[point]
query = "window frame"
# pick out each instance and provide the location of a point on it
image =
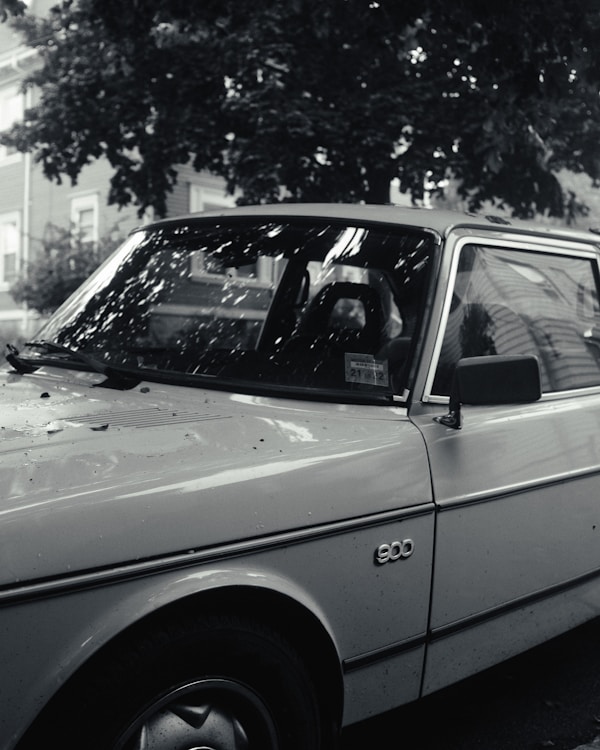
(12, 91)
(526, 243)
(11, 217)
(199, 195)
(80, 204)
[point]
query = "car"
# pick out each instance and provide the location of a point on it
(273, 470)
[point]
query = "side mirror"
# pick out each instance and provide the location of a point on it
(492, 380)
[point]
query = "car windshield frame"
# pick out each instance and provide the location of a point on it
(266, 269)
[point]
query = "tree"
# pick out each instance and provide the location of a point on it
(310, 100)
(64, 263)
(12, 7)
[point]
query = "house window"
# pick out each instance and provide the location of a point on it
(11, 111)
(84, 218)
(208, 199)
(10, 242)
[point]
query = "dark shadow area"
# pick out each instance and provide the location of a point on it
(548, 697)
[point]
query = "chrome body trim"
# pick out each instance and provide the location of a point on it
(61, 585)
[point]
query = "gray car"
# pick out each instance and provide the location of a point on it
(276, 469)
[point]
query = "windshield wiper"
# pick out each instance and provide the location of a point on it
(19, 364)
(115, 377)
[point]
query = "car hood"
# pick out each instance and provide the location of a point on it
(92, 477)
(48, 403)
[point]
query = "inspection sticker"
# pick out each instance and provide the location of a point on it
(364, 368)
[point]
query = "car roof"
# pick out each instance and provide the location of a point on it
(440, 221)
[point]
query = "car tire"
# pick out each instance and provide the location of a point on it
(217, 682)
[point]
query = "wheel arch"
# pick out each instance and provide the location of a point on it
(291, 619)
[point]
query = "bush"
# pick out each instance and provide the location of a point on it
(59, 267)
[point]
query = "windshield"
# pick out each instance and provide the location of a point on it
(255, 306)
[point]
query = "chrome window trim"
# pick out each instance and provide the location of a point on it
(566, 248)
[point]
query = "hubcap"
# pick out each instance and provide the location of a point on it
(213, 714)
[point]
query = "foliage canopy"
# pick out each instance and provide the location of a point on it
(329, 99)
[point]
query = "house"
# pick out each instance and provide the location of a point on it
(29, 203)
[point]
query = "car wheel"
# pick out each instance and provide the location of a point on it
(216, 683)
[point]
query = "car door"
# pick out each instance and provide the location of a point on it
(517, 489)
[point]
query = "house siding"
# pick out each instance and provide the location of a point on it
(178, 202)
(51, 203)
(11, 185)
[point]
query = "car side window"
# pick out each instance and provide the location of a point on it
(524, 302)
